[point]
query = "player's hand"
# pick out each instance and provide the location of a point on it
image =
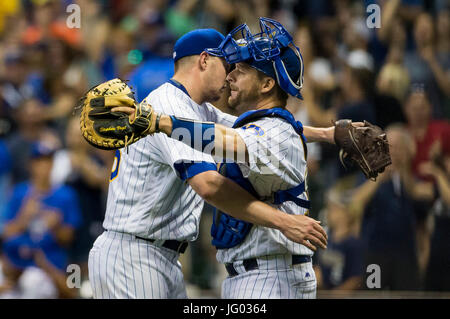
(306, 231)
(125, 109)
(30, 209)
(52, 218)
(143, 112)
(330, 132)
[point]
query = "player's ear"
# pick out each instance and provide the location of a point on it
(267, 84)
(203, 60)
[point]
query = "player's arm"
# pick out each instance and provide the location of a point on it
(58, 277)
(219, 140)
(208, 137)
(226, 142)
(229, 197)
(223, 141)
(319, 134)
(322, 134)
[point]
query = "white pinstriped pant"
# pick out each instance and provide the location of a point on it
(122, 266)
(275, 278)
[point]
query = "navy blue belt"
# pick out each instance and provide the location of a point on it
(252, 264)
(175, 245)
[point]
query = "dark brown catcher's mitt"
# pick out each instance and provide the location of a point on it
(366, 145)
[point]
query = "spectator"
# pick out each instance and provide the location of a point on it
(340, 266)
(443, 47)
(79, 167)
(437, 276)
(391, 88)
(5, 170)
(356, 84)
(32, 283)
(426, 67)
(425, 130)
(150, 75)
(19, 85)
(46, 66)
(31, 127)
(357, 87)
(388, 219)
(47, 25)
(429, 135)
(40, 222)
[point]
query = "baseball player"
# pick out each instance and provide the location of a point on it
(158, 184)
(269, 150)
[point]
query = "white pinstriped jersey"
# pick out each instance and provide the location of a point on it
(276, 162)
(147, 198)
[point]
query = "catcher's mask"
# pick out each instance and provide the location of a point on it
(271, 51)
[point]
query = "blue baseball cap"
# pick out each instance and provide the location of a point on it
(39, 149)
(195, 42)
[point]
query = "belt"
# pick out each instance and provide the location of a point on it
(175, 245)
(252, 264)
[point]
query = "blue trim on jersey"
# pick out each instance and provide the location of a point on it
(249, 116)
(178, 85)
(195, 134)
(291, 195)
(274, 112)
(188, 170)
(115, 170)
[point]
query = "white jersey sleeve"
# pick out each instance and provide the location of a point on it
(275, 154)
(219, 117)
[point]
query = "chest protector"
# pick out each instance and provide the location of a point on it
(227, 231)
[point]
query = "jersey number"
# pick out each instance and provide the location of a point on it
(115, 167)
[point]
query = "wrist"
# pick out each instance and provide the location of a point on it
(329, 135)
(165, 125)
(195, 134)
(283, 221)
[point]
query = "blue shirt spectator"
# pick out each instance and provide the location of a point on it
(5, 168)
(150, 75)
(388, 231)
(389, 220)
(340, 261)
(20, 249)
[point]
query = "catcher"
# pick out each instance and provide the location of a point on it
(268, 153)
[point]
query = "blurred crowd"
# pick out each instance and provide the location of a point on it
(53, 185)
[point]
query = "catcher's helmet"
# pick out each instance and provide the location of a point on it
(271, 51)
